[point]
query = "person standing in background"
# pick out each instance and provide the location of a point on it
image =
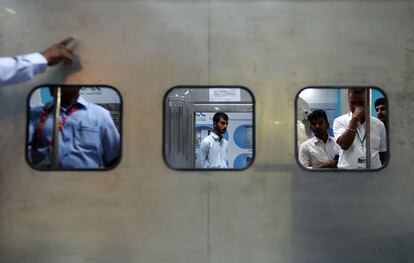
(214, 148)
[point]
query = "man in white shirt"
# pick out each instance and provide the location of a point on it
(24, 67)
(349, 130)
(214, 148)
(381, 109)
(321, 151)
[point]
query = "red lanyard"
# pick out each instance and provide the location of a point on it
(42, 121)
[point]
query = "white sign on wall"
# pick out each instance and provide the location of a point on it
(100, 95)
(223, 94)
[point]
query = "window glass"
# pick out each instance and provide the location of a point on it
(209, 128)
(74, 127)
(342, 128)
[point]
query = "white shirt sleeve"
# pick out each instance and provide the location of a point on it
(339, 127)
(304, 156)
(203, 153)
(21, 68)
(383, 138)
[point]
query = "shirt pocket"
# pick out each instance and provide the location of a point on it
(87, 137)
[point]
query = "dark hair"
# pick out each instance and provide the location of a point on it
(356, 90)
(316, 114)
(379, 101)
(219, 115)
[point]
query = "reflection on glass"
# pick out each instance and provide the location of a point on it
(74, 127)
(208, 128)
(341, 128)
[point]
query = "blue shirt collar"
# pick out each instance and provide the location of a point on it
(80, 101)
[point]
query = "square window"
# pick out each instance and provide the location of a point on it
(208, 128)
(342, 128)
(73, 127)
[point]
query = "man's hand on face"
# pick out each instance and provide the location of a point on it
(359, 113)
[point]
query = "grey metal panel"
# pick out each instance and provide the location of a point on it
(273, 212)
(175, 131)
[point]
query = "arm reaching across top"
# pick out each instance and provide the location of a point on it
(21, 68)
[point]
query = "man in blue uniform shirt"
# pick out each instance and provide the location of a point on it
(88, 137)
(214, 148)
